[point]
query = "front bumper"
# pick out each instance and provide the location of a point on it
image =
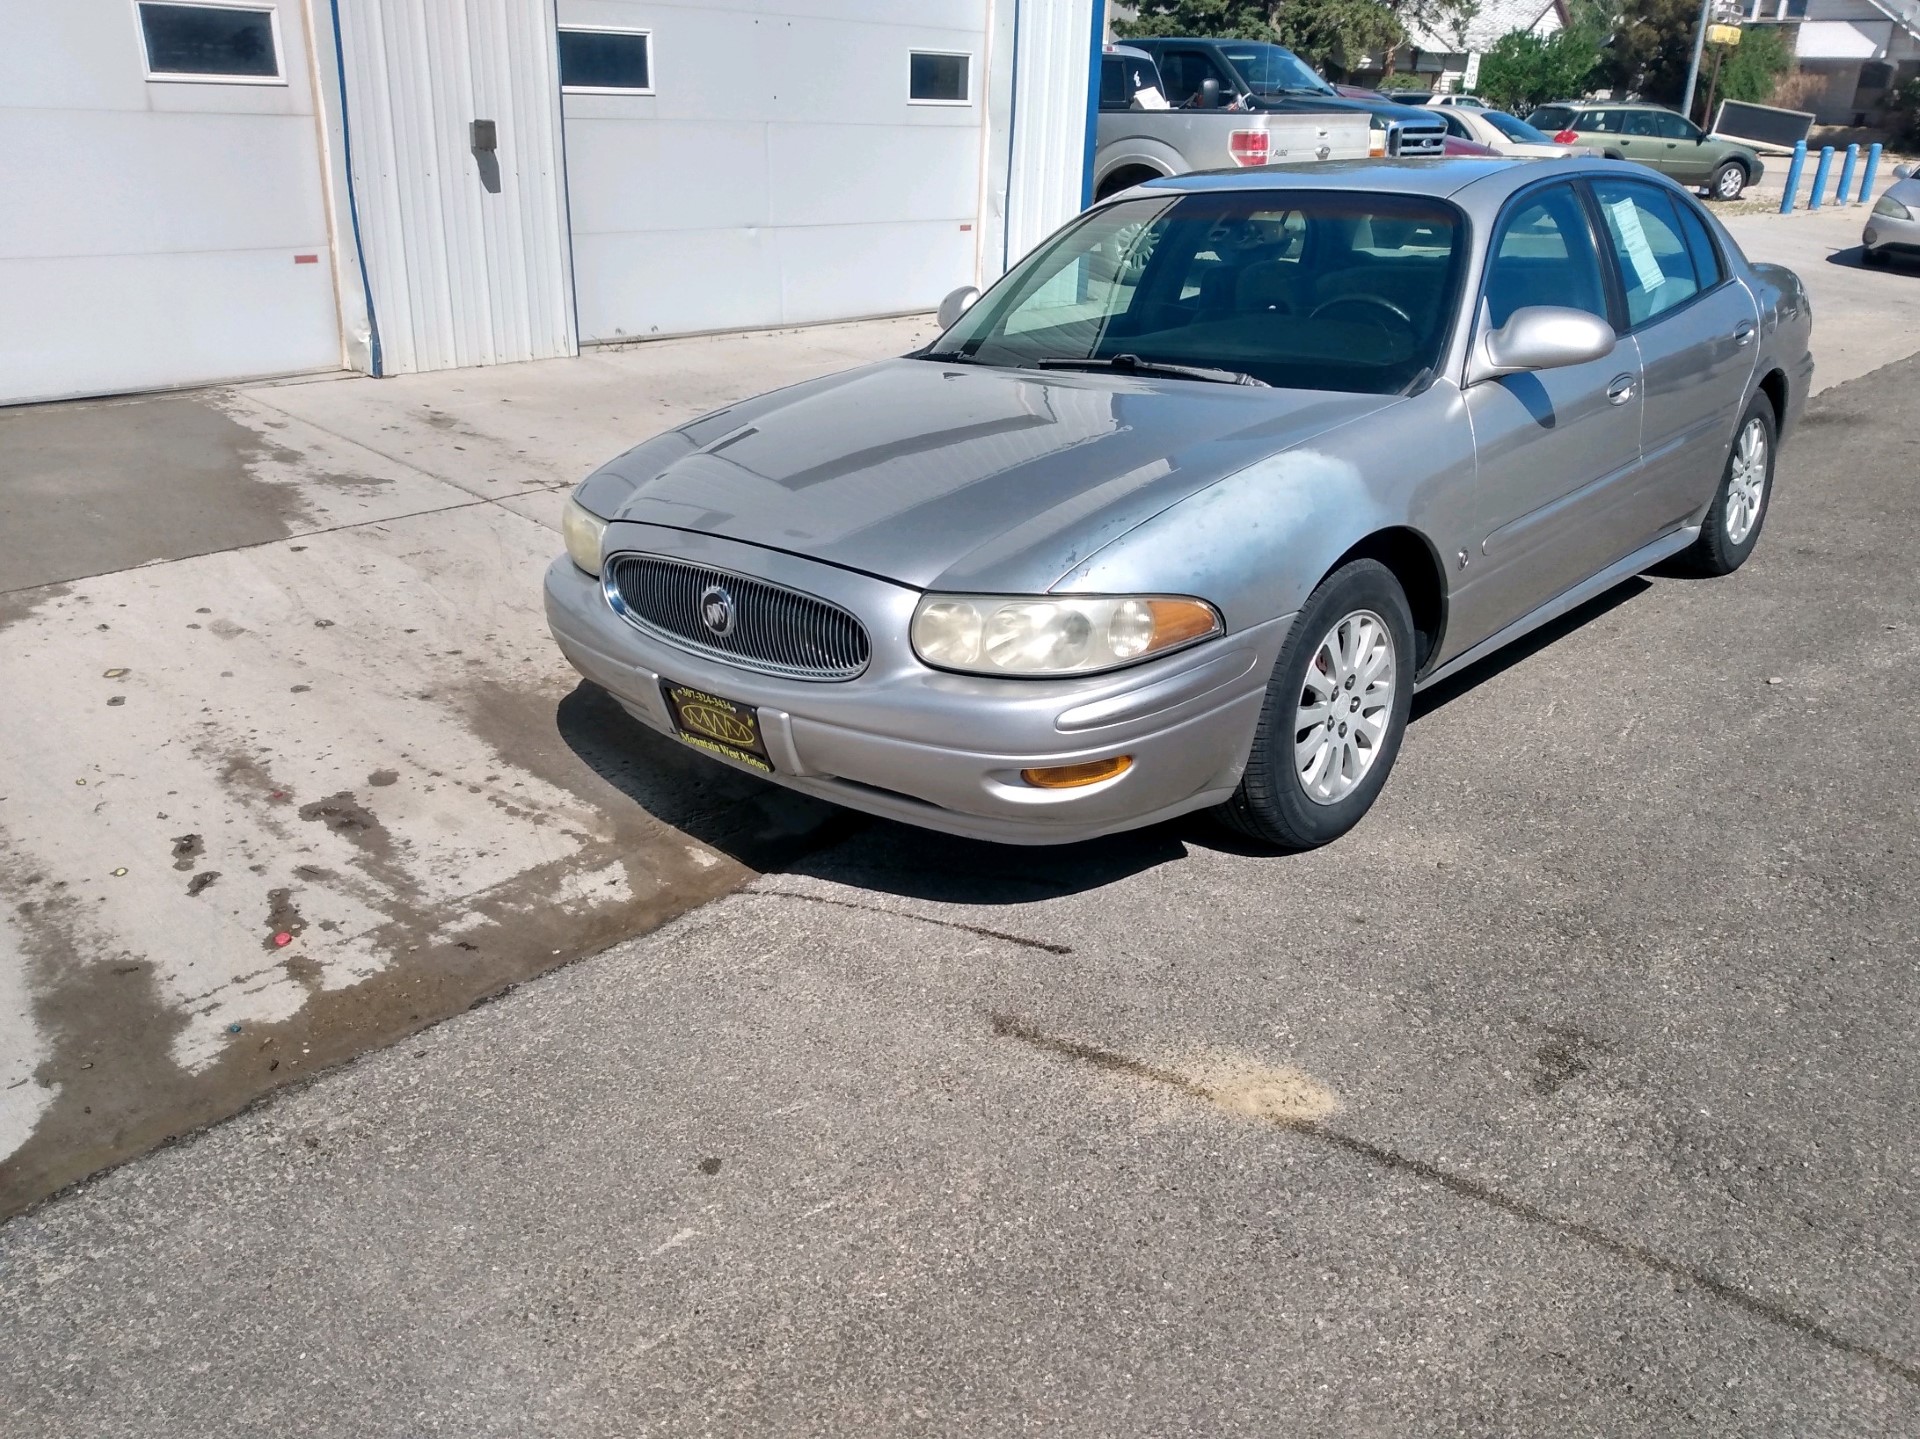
(940, 750)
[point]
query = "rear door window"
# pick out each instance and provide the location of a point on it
(1654, 263)
(1706, 254)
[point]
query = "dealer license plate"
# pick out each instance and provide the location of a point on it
(719, 726)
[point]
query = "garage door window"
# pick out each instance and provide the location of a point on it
(218, 44)
(935, 77)
(606, 62)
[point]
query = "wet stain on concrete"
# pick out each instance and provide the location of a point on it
(381, 778)
(174, 471)
(283, 917)
(17, 605)
(201, 882)
(443, 954)
(110, 1034)
(187, 849)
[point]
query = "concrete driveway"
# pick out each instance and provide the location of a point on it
(1572, 1092)
(292, 765)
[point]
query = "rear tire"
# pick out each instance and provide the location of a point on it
(1880, 259)
(1739, 508)
(1728, 181)
(1335, 712)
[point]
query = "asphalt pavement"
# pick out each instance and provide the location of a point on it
(1572, 1092)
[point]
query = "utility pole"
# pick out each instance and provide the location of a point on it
(1693, 65)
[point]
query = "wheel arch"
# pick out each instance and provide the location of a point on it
(1415, 563)
(1773, 385)
(1125, 174)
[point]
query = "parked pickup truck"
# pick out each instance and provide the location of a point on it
(1255, 78)
(1140, 138)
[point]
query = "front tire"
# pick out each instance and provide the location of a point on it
(1728, 181)
(1335, 713)
(1739, 508)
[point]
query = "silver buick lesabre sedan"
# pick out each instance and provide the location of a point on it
(1183, 510)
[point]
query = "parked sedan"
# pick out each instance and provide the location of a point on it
(1657, 137)
(1505, 135)
(1894, 226)
(1185, 508)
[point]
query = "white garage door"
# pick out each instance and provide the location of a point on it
(769, 162)
(162, 221)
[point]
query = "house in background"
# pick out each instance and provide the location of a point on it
(1863, 49)
(1447, 62)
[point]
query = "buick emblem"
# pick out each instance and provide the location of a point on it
(716, 611)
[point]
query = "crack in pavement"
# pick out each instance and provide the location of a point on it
(1046, 946)
(1009, 1026)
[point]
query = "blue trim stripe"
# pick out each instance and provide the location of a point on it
(1096, 18)
(1013, 132)
(353, 206)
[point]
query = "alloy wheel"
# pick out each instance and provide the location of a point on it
(1346, 702)
(1747, 481)
(1732, 182)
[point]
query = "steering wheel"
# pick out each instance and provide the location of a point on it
(1392, 309)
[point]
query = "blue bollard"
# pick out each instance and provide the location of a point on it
(1793, 177)
(1866, 180)
(1845, 195)
(1820, 178)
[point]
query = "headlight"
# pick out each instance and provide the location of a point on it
(582, 529)
(1054, 634)
(1892, 209)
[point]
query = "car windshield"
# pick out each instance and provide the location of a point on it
(1516, 130)
(1550, 118)
(1269, 70)
(1310, 290)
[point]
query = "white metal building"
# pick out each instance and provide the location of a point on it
(199, 191)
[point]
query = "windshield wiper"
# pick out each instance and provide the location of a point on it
(1134, 365)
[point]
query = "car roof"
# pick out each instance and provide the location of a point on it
(1607, 105)
(1493, 178)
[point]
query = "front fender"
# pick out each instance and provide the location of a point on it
(1256, 543)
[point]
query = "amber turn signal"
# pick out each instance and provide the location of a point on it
(1072, 776)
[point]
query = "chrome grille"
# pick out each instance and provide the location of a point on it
(775, 630)
(1422, 142)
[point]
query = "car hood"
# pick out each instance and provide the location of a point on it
(1907, 192)
(957, 476)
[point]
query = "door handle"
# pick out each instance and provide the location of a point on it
(1621, 390)
(1743, 333)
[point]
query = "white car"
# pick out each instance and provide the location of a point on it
(1504, 133)
(1894, 226)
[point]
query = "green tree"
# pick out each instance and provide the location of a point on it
(1651, 44)
(1522, 71)
(1234, 19)
(1749, 69)
(1328, 34)
(1334, 36)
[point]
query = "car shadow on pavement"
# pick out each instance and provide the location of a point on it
(1854, 257)
(1499, 662)
(771, 829)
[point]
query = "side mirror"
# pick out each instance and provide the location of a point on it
(1209, 94)
(1903, 172)
(1540, 337)
(957, 303)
